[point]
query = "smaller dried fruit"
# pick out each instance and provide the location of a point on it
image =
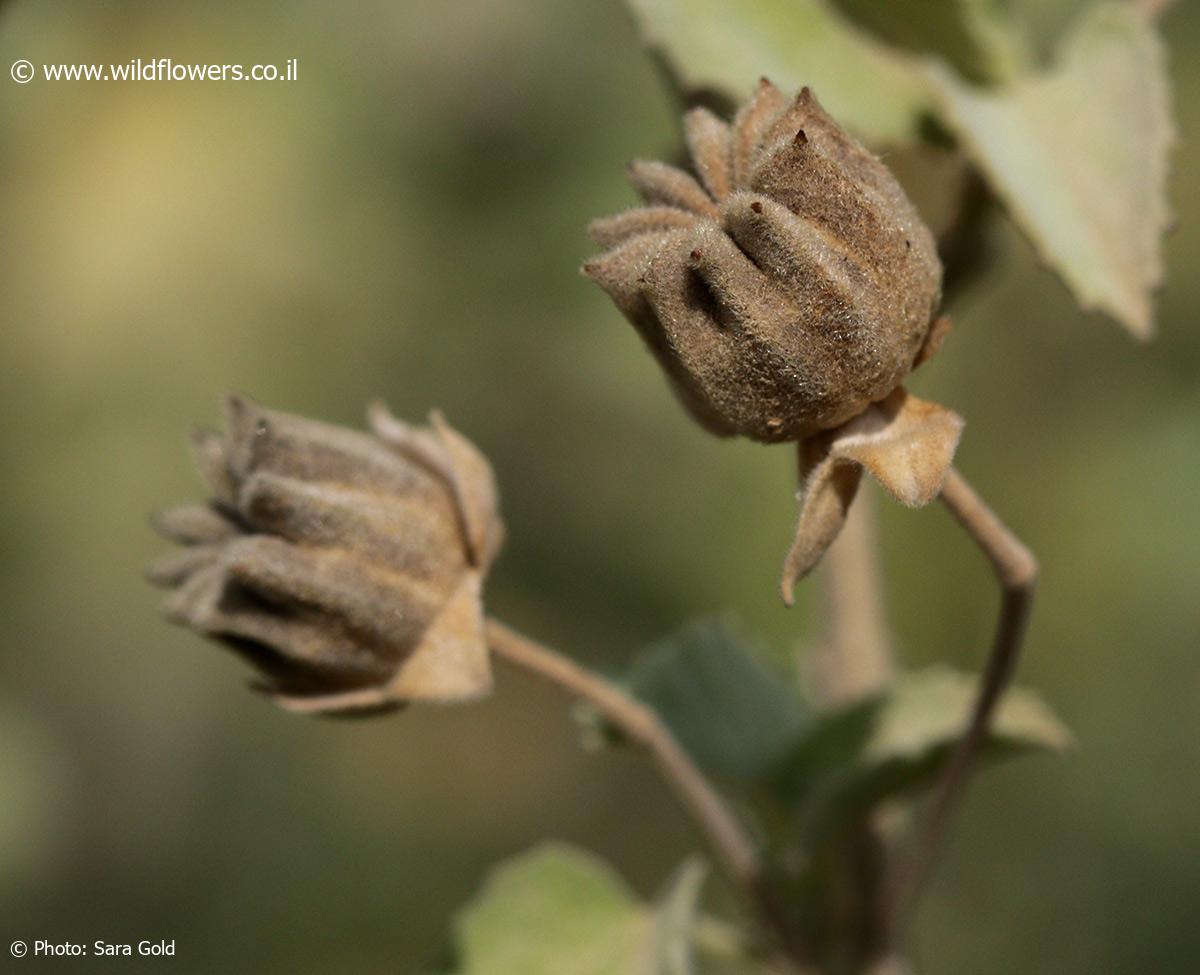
(786, 286)
(346, 566)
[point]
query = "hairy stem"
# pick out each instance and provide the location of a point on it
(854, 661)
(726, 838)
(856, 658)
(1016, 569)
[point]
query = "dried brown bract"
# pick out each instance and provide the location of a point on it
(905, 443)
(787, 285)
(345, 566)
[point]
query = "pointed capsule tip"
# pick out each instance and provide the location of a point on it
(786, 587)
(237, 403)
(159, 520)
(244, 415)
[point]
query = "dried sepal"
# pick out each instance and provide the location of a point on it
(905, 443)
(475, 492)
(194, 524)
(449, 663)
(465, 471)
(346, 566)
(709, 143)
(208, 452)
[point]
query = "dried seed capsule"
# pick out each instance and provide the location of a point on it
(787, 285)
(345, 566)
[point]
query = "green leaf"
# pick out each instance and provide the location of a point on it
(551, 910)
(895, 743)
(981, 38)
(930, 707)
(729, 713)
(727, 45)
(1080, 158)
(559, 911)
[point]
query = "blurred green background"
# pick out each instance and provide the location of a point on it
(406, 221)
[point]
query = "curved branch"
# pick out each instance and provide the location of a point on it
(1016, 569)
(725, 836)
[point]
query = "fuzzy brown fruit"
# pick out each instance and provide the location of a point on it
(346, 566)
(788, 285)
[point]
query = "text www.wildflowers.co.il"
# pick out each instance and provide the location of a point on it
(156, 69)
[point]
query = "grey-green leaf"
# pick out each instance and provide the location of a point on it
(1079, 156)
(559, 911)
(731, 714)
(930, 707)
(552, 910)
(894, 744)
(727, 45)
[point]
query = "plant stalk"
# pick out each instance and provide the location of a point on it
(855, 659)
(727, 839)
(1016, 569)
